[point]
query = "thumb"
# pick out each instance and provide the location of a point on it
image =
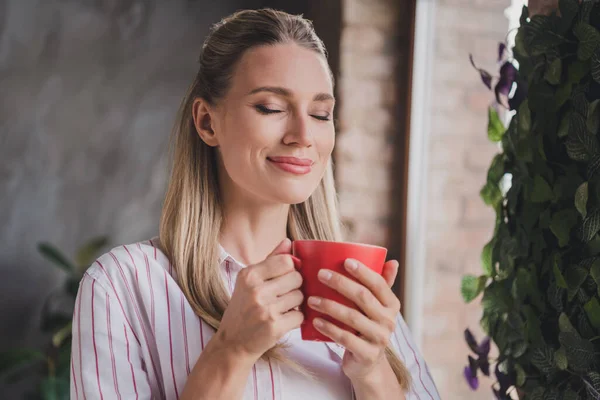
(284, 247)
(390, 271)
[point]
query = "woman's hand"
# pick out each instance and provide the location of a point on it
(261, 310)
(365, 353)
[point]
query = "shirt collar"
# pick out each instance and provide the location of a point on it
(227, 259)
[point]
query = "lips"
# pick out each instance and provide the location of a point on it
(294, 165)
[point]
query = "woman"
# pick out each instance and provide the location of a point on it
(209, 309)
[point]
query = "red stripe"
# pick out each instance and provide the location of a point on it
(134, 266)
(152, 244)
(185, 341)
(94, 342)
(229, 276)
(404, 358)
(201, 333)
(255, 382)
(117, 297)
(137, 312)
(272, 380)
(416, 359)
(130, 363)
(151, 289)
(170, 336)
(74, 380)
(79, 334)
(110, 346)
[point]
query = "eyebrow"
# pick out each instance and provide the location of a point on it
(281, 91)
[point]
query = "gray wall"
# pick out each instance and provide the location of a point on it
(88, 94)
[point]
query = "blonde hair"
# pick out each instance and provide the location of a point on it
(192, 214)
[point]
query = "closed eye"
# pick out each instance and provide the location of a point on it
(265, 110)
(321, 117)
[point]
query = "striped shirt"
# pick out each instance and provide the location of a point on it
(135, 336)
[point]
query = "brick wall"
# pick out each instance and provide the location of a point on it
(367, 92)
(458, 223)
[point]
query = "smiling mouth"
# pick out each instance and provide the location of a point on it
(297, 166)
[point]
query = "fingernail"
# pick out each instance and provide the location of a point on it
(314, 301)
(318, 323)
(351, 264)
(325, 274)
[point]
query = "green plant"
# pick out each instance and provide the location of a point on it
(53, 362)
(541, 269)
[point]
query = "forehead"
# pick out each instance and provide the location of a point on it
(301, 70)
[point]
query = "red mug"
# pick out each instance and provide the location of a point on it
(312, 255)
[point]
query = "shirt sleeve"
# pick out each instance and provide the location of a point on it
(106, 359)
(423, 387)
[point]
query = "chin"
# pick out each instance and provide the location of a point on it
(293, 195)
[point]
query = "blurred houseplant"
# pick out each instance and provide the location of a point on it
(53, 362)
(541, 269)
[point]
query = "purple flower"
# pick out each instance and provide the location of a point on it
(485, 76)
(471, 378)
(482, 349)
(508, 76)
(501, 48)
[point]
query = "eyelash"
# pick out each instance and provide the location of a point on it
(266, 111)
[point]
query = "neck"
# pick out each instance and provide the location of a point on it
(250, 231)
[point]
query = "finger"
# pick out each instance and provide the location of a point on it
(361, 349)
(288, 301)
(374, 333)
(284, 247)
(372, 281)
(358, 293)
(390, 271)
(274, 266)
(283, 284)
(291, 320)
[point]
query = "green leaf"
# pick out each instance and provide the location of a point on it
(537, 394)
(580, 352)
(563, 128)
(471, 286)
(560, 359)
(487, 259)
(491, 194)
(521, 376)
(560, 280)
(89, 251)
(18, 358)
(543, 359)
(495, 126)
(595, 273)
(542, 191)
(595, 65)
(561, 225)
(570, 394)
(562, 94)
(496, 169)
(593, 117)
(575, 276)
(589, 39)
(581, 199)
(593, 384)
(54, 255)
(564, 324)
(524, 117)
(59, 337)
(580, 144)
(54, 388)
(553, 72)
(577, 71)
(590, 226)
(592, 309)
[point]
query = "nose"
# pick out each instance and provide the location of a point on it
(298, 131)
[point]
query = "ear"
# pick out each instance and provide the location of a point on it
(203, 121)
